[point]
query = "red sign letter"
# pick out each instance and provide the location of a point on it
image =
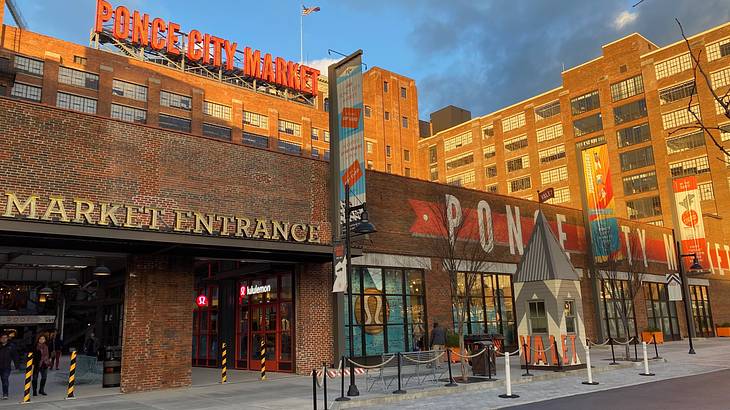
(195, 53)
(103, 14)
(252, 63)
(230, 49)
(141, 29)
(172, 37)
(158, 26)
(121, 23)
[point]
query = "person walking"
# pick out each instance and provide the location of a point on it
(55, 346)
(8, 355)
(41, 363)
(438, 339)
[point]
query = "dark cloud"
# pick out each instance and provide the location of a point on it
(487, 55)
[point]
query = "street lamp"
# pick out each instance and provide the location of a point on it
(363, 227)
(695, 266)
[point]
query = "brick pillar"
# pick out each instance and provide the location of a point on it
(237, 118)
(273, 129)
(51, 63)
(314, 315)
(197, 116)
(307, 138)
(106, 80)
(158, 323)
(153, 102)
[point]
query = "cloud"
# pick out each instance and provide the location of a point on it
(322, 64)
(624, 19)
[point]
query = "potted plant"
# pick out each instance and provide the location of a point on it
(452, 343)
(723, 330)
(651, 334)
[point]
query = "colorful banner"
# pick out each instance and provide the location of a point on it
(601, 204)
(688, 218)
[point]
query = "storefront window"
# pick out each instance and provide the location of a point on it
(701, 312)
(615, 297)
(205, 328)
(660, 312)
(490, 306)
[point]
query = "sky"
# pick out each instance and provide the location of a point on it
(480, 55)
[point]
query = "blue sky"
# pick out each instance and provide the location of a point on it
(480, 55)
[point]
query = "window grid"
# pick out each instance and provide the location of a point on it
(519, 184)
(692, 166)
(315, 134)
(516, 164)
(129, 114)
(673, 66)
(588, 125)
(76, 103)
(172, 122)
(686, 142)
(635, 184)
(550, 132)
(551, 154)
(172, 100)
(491, 151)
(78, 78)
(725, 132)
(586, 102)
(26, 92)
(656, 223)
(516, 143)
(706, 191)
(627, 88)
(465, 179)
(548, 110)
(492, 188)
(644, 207)
(29, 65)
(457, 141)
(680, 117)
(255, 119)
(718, 49)
(488, 131)
(216, 110)
(404, 122)
(553, 175)
(514, 122)
(129, 90)
(460, 161)
(255, 140)
(719, 109)
(561, 196)
(633, 135)
(326, 136)
(720, 78)
(677, 92)
(290, 147)
(638, 158)
(490, 171)
(629, 112)
(216, 131)
(291, 128)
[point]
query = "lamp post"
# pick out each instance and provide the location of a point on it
(685, 289)
(363, 227)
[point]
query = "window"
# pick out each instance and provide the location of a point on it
(680, 117)
(554, 175)
(720, 78)
(403, 92)
(255, 140)
(644, 207)
(78, 78)
(172, 100)
(216, 110)
(174, 123)
(385, 86)
(639, 183)
(656, 223)
(404, 122)
(291, 128)
(459, 161)
(627, 88)
(488, 131)
(216, 131)
(637, 158)
(367, 111)
(370, 147)
(633, 135)
(706, 191)
(569, 313)
(389, 168)
(326, 136)
(562, 195)
(315, 134)
(387, 151)
(677, 92)
(489, 306)
(548, 110)
(692, 166)
(514, 122)
(629, 112)
(673, 66)
(129, 114)
(516, 164)
(434, 173)
(584, 103)
(464, 179)
(129, 90)
(255, 120)
(719, 108)
(686, 142)
(725, 132)
(718, 49)
(386, 114)
(2, 90)
(407, 172)
(587, 125)
(406, 155)
(326, 156)
(26, 92)
(315, 152)
(701, 310)
(29, 65)
(76, 103)
(80, 60)
(550, 132)
(370, 164)
(551, 154)
(492, 188)
(516, 143)
(490, 171)
(433, 154)
(326, 105)
(660, 312)
(490, 152)
(538, 317)
(457, 141)
(289, 147)
(519, 184)
(615, 295)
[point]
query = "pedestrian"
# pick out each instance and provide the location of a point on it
(55, 346)
(438, 339)
(41, 363)
(8, 355)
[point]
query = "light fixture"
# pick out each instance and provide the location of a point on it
(45, 291)
(695, 264)
(364, 226)
(42, 298)
(102, 270)
(71, 282)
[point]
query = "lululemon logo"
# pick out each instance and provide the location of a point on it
(202, 300)
(369, 310)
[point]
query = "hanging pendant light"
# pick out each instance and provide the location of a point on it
(102, 270)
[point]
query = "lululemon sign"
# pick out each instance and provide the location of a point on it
(253, 290)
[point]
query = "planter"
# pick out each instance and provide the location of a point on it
(723, 331)
(647, 337)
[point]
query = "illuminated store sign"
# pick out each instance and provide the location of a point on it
(254, 290)
(201, 301)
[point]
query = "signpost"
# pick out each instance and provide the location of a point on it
(546, 195)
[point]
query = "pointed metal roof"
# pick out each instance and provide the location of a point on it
(544, 259)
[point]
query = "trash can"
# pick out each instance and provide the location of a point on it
(112, 374)
(479, 365)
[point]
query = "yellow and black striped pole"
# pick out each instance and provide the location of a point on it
(263, 358)
(224, 368)
(71, 377)
(28, 377)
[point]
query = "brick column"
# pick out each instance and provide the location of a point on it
(237, 119)
(314, 315)
(153, 102)
(273, 129)
(106, 80)
(197, 115)
(51, 63)
(158, 323)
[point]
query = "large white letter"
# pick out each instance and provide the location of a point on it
(626, 230)
(719, 258)
(642, 243)
(669, 251)
(486, 234)
(453, 215)
(514, 227)
(562, 237)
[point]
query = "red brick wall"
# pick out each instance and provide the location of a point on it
(158, 324)
(314, 337)
(719, 298)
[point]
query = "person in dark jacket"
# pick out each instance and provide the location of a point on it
(41, 363)
(438, 340)
(8, 355)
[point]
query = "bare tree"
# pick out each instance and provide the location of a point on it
(457, 246)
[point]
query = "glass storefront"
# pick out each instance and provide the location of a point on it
(490, 306)
(388, 310)
(616, 296)
(661, 313)
(701, 312)
(205, 327)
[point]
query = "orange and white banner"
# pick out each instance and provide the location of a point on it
(689, 221)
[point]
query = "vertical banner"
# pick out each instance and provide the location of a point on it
(601, 204)
(348, 151)
(688, 218)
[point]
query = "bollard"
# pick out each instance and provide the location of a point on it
(314, 388)
(342, 382)
(588, 367)
(489, 363)
(557, 355)
(399, 391)
(263, 359)
(527, 360)
(224, 364)
(508, 379)
(613, 354)
(28, 378)
(324, 383)
(636, 356)
(71, 376)
(656, 349)
(451, 378)
(646, 362)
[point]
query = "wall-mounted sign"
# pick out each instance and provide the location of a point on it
(689, 221)
(201, 301)
(598, 190)
(156, 34)
(27, 320)
(253, 290)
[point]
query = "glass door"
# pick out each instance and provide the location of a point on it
(205, 328)
(701, 312)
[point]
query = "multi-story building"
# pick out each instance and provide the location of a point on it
(636, 98)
